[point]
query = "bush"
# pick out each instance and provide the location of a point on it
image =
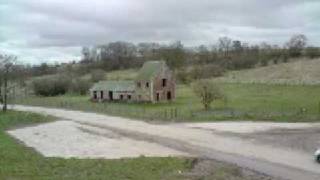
(80, 86)
(244, 62)
(312, 52)
(207, 91)
(183, 76)
(51, 86)
(206, 71)
(97, 75)
(200, 72)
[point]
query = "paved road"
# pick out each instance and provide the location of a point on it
(275, 161)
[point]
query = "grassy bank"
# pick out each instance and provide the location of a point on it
(244, 102)
(19, 162)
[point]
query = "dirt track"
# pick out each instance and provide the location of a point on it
(244, 150)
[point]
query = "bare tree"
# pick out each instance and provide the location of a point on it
(174, 54)
(208, 91)
(85, 54)
(6, 66)
(148, 50)
(225, 45)
(296, 44)
(203, 54)
(237, 47)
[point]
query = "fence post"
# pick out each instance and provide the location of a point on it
(171, 113)
(191, 114)
(319, 108)
(175, 113)
(165, 114)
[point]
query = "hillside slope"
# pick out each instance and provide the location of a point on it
(298, 72)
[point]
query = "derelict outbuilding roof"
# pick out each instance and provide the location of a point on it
(150, 69)
(114, 86)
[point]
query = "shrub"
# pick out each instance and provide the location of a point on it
(80, 86)
(51, 86)
(312, 52)
(183, 76)
(207, 91)
(200, 72)
(97, 75)
(206, 71)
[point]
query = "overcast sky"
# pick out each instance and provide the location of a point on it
(54, 30)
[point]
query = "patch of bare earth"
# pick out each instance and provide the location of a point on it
(306, 140)
(303, 137)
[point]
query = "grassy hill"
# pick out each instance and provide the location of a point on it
(297, 72)
(283, 92)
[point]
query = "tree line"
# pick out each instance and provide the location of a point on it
(189, 63)
(225, 54)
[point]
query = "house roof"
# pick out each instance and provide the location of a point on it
(114, 86)
(150, 69)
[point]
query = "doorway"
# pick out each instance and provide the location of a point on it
(169, 95)
(101, 94)
(110, 95)
(95, 95)
(158, 96)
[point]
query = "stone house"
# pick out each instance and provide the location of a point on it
(155, 82)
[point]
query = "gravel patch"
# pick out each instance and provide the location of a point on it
(70, 139)
(211, 169)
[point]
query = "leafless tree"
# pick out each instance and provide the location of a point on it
(174, 54)
(85, 54)
(7, 63)
(225, 44)
(203, 54)
(296, 44)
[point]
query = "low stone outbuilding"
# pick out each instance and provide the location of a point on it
(112, 90)
(155, 82)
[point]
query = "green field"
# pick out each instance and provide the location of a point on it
(19, 162)
(244, 102)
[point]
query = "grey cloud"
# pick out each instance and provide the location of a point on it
(72, 23)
